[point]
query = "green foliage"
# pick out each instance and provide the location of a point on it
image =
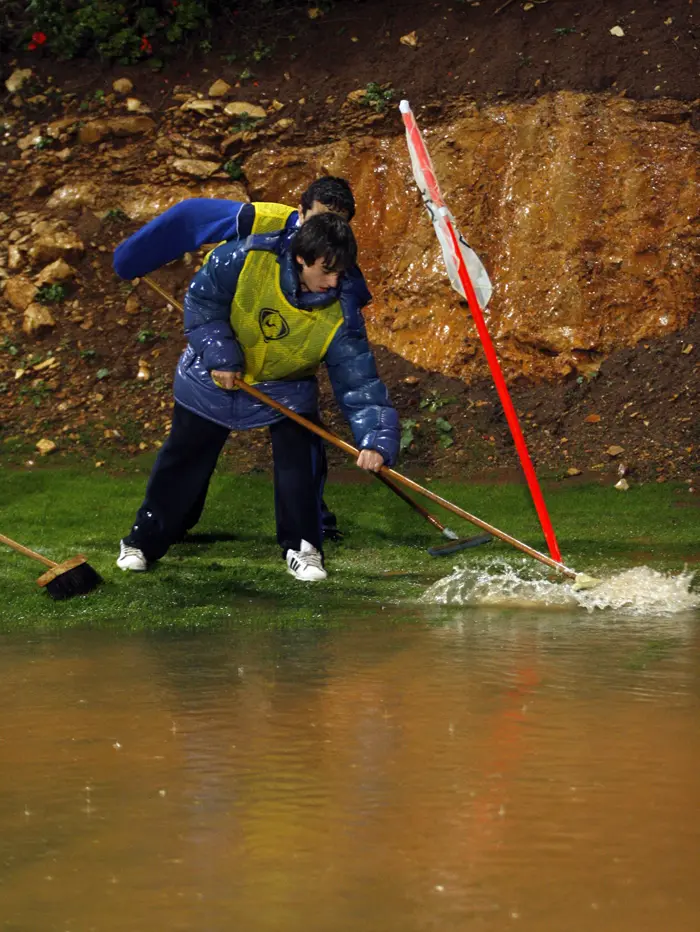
(144, 336)
(43, 142)
(378, 96)
(51, 294)
(8, 346)
(87, 353)
(407, 433)
(245, 122)
(444, 429)
(102, 373)
(564, 30)
(434, 401)
(35, 392)
(112, 30)
(246, 75)
(115, 215)
(233, 169)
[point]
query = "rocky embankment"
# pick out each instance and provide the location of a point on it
(581, 205)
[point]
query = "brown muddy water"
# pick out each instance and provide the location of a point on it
(458, 769)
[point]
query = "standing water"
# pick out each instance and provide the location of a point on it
(451, 768)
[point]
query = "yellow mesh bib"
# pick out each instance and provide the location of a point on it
(279, 341)
(270, 217)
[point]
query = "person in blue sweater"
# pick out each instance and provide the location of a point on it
(270, 309)
(194, 222)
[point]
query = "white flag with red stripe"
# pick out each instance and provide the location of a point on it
(448, 235)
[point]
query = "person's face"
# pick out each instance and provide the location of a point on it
(318, 208)
(317, 277)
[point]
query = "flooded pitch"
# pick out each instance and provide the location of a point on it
(438, 768)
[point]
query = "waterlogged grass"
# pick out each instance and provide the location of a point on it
(232, 572)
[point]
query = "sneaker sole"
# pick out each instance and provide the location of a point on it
(292, 573)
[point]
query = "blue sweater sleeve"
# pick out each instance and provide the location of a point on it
(183, 228)
(208, 309)
(361, 394)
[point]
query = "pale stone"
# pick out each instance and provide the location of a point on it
(31, 139)
(58, 271)
(76, 194)
(56, 245)
(37, 317)
(20, 292)
(239, 107)
(199, 106)
(197, 168)
(144, 372)
(356, 97)
(133, 305)
(281, 125)
(122, 86)
(46, 446)
(219, 88)
(15, 259)
(130, 125)
(18, 77)
(58, 127)
(410, 39)
(134, 105)
(93, 132)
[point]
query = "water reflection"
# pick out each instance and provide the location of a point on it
(454, 770)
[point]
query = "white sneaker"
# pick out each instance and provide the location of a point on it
(306, 563)
(131, 558)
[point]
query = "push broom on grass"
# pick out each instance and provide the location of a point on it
(62, 580)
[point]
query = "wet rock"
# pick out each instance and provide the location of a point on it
(20, 292)
(623, 485)
(410, 39)
(133, 304)
(119, 126)
(37, 318)
(56, 245)
(122, 86)
(615, 450)
(144, 372)
(144, 202)
(130, 125)
(75, 195)
(239, 107)
(57, 128)
(199, 106)
(17, 79)
(15, 259)
(58, 271)
(219, 88)
(196, 168)
(92, 132)
(31, 139)
(36, 186)
(134, 105)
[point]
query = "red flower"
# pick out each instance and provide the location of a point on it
(146, 45)
(38, 38)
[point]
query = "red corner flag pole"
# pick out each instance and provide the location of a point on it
(460, 261)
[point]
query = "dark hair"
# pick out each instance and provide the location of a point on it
(333, 193)
(325, 236)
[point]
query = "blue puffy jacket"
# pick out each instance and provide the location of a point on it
(361, 394)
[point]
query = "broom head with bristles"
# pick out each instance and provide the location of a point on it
(72, 577)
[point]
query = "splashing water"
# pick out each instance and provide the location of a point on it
(638, 591)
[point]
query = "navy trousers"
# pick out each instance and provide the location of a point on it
(178, 484)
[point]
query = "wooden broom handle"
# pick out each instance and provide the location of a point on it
(26, 551)
(386, 472)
